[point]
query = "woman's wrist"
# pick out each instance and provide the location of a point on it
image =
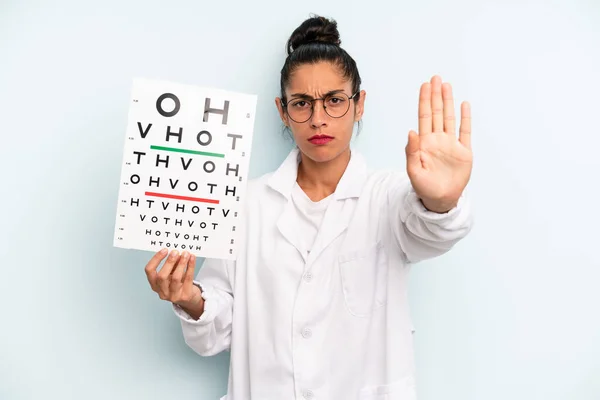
(195, 306)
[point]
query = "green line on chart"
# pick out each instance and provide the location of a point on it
(201, 153)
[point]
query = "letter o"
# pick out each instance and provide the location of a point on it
(206, 168)
(199, 138)
(159, 105)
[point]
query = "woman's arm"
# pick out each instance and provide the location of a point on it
(430, 208)
(423, 234)
(207, 328)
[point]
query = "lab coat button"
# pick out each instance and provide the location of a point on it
(308, 394)
(308, 277)
(306, 333)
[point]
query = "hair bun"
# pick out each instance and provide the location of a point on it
(315, 29)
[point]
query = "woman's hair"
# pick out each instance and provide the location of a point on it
(317, 39)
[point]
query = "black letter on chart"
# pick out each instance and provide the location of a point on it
(139, 154)
(144, 132)
(209, 167)
(157, 181)
(158, 161)
(208, 110)
(169, 133)
(207, 141)
(185, 166)
(159, 105)
(229, 169)
(231, 135)
(212, 186)
(227, 190)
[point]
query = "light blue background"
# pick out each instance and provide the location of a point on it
(510, 313)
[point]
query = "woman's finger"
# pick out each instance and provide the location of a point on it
(425, 109)
(449, 118)
(164, 275)
(437, 105)
(413, 155)
(151, 267)
(464, 135)
(189, 273)
(178, 273)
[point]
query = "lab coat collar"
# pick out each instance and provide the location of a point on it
(351, 184)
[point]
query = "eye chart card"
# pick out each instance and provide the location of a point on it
(184, 170)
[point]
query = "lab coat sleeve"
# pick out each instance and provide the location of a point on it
(211, 333)
(420, 233)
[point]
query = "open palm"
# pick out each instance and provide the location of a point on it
(438, 163)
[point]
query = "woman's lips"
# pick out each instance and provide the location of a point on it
(320, 139)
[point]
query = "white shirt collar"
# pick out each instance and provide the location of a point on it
(350, 185)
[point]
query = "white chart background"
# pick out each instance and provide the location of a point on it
(205, 217)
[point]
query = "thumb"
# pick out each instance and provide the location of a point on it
(413, 156)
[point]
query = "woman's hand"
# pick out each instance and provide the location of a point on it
(438, 163)
(174, 281)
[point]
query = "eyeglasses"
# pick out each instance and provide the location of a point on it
(336, 105)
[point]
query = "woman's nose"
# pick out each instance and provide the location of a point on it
(319, 116)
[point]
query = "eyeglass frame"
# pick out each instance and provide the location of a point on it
(312, 106)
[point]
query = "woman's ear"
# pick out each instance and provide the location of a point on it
(360, 106)
(282, 113)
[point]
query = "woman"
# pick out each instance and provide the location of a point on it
(315, 306)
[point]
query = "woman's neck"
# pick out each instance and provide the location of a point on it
(320, 179)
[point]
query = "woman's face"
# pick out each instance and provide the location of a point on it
(322, 137)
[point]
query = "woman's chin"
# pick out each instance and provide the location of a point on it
(322, 154)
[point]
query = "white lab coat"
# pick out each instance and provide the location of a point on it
(332, 324)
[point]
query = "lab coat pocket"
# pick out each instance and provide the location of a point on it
(403, 389)
(364, 275)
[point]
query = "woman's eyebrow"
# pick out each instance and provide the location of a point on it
(307, 96)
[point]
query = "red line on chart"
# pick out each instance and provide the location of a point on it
(172, 196)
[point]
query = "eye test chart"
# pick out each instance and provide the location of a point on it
(184, 169)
